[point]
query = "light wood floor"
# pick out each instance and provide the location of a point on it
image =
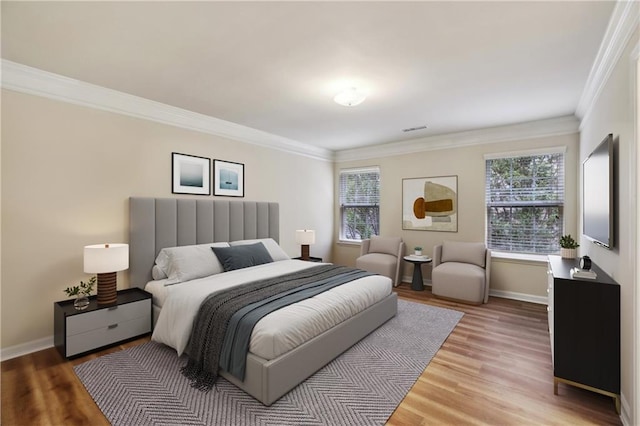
(495, 368)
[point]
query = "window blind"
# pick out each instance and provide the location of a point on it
(525, 200)
(359, 203)
(360, 187)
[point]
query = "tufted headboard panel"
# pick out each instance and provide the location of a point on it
(156, 223)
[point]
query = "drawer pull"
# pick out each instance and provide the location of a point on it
(548, 308)
(112, 326)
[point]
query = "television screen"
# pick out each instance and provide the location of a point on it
(597, 194)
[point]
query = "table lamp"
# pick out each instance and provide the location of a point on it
(105, 260)
(304, 237)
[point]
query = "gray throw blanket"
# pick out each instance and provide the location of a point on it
(223, 325)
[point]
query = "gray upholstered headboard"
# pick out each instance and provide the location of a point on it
(156, 223)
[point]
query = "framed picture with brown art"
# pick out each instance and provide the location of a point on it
(430, 203)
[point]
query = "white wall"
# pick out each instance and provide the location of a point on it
(67, 174)
(614, 112)
(468, 164)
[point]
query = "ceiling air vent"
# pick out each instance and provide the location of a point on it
(412, 129)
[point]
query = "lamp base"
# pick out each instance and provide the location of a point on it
(107, 289)
(304, 251)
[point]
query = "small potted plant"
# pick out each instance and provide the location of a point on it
(81, 293)
(568, 247)
(417, 251)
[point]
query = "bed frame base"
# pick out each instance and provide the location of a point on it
(267, 381)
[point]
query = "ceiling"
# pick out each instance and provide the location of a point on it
(276, 66)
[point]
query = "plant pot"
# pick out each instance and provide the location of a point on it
(418, 252)
(568, 253)
(81, 302)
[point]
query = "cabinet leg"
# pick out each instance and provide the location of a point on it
(555, 386)
(617, 400)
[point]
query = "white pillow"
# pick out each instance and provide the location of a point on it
(275, 251)
(189, 262)
(157, 273)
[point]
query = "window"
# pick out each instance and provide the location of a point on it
(525, 199)
(359, 203)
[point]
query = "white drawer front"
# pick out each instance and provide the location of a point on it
(93, 339)
(101, 318)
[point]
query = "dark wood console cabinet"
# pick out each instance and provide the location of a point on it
(584, 327)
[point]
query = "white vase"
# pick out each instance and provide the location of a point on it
(568, 253)
(418, 253)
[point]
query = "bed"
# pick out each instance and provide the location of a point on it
(163, 223)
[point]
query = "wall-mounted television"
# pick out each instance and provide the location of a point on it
(598, 194)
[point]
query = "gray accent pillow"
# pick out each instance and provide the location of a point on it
(242, 256)
(275, 251)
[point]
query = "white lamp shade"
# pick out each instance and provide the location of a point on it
(104, 258)
(305, 236)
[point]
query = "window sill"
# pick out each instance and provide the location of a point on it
(350, 242)
(536, 259)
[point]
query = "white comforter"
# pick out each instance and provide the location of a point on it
(280, 331)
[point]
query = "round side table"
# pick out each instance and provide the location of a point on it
(416, 282)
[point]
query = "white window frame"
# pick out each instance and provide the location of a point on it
(561, 203)
(344, 207)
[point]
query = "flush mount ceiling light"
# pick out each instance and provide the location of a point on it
(349, 97)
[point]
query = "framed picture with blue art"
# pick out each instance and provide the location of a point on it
(228, 178)
(190, 174)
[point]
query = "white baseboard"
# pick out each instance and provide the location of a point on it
(541, 300)
(625, 411)
(26, 348)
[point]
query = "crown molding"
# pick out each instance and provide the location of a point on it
(25, 79)
(622, 24)
(33, 81)
(529, 130)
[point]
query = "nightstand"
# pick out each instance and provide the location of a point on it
(77, 332)
(311, 259)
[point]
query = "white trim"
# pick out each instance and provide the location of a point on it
(522, 258)
(622, 23)
(356, 170)
(527, 153)
(625, 411)
(26, 348)
(33, 81)
(634, 192)
(25, 79)
(531, 298)
(529, 130)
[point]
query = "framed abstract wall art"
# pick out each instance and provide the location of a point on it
(228, 178)
(430, 204)
(190, 174)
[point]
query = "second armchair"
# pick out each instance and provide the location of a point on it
(382, 255)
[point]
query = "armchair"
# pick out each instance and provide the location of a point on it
(461, 271)
(382, 255)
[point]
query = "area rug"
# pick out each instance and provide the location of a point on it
(363, 386)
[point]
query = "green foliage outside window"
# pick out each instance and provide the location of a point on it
(359, 203)
(525, 199)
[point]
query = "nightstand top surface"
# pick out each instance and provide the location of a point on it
(128, 295)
